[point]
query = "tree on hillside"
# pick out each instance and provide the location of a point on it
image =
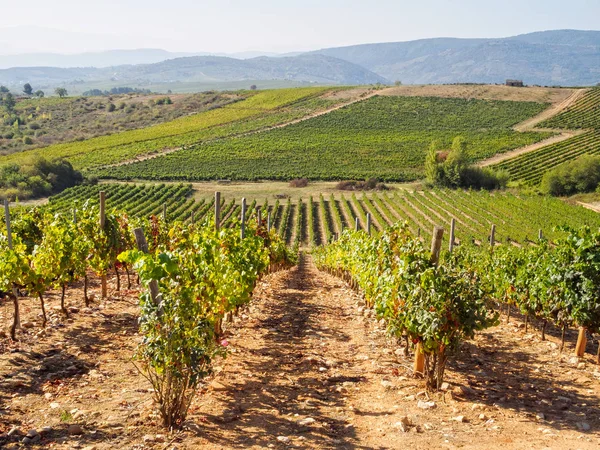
(61, 92)
(434, 173)
(27, 89)
(253, 87)
(456, 162)
(39, 93)
(3, 90)
(9, 102)
(398, 83)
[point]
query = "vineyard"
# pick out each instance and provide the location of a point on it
(163, 315)
(531, 167)
(439, 303)
(47, 121)
(314, 220)
(584, 114)
(383, 137)
(258, 111)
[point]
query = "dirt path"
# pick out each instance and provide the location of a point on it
(531, 123)
(308, 367)
(312, 369)
(564, 135)
(362, 96)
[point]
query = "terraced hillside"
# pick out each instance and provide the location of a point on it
(383, 137)
(584, 114)
(317, 219)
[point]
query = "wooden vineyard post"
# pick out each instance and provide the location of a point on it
(258, 215)
(16, 317)
(436, 247)
(436, 244)
(368, 223)
(540, 235)
(75, 216)
(356, 225)
(7, 219)
(217, 211)
(142, 245)
(102, 224)
(165, 212)
(493, 236)
(581, 343)
(269, 221)
(243, 225)
(452, 229)
(192, 217)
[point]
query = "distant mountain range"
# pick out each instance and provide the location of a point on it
(561, 57)
(110, 58)
(565, 57)
(309, 68)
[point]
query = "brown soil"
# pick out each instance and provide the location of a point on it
(304, 349)
(501, 157)
(558, 106)
(487, 92)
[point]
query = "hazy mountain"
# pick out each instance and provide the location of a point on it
(307, 68)
(92, 59)
(566, 57)
(110, 58)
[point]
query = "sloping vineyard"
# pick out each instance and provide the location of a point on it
(383, 137)
(260, 110)
(584, 113)
(530, 167)
(517, 218)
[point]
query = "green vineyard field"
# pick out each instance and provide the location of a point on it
(315, 220)
(583, 114)
(266, 108)
(383, 137)
(531, 167)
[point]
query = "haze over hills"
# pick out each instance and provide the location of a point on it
(110, 58)
(307, 68)
(565, 57)
(560, 57)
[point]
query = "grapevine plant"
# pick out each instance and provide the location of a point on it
(201, 275)
(438, 305)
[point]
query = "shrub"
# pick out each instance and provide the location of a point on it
(451, 169)
(299, 182)
(111, 107)
(34, 126)
(483, 178)
(580, 175)
(27, 140)
(372, 184)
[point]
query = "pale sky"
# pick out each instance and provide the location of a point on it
(273, 25)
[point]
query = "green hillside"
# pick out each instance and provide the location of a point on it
(383, 137)
(262, 109)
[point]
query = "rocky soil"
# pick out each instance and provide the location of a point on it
(308, 367)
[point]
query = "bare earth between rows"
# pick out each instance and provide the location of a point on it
(309, 367)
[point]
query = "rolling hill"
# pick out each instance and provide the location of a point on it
(305, 68)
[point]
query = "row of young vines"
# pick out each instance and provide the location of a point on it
(438, 301)
(194, 276)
